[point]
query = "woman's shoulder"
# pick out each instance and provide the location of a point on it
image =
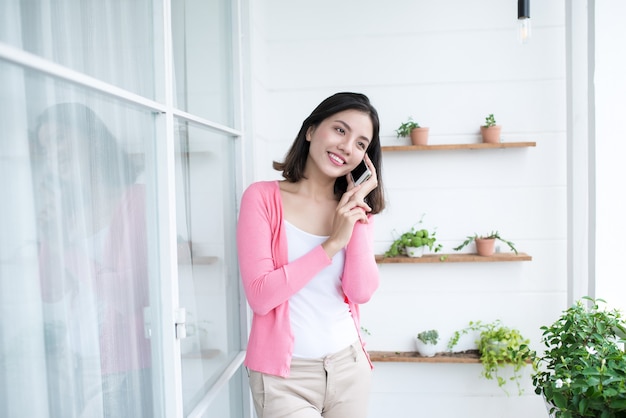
(262, 190)
(265, 186)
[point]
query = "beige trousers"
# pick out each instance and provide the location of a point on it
(336, 386)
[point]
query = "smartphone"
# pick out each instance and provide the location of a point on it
(361, 173)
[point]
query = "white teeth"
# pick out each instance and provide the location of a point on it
(334, 157)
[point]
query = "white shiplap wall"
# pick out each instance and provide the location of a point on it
(448, 64)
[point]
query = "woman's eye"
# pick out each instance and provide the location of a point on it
(362, 145)
(341, 130)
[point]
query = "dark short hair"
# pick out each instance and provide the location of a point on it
(108, 161)
(292, 167)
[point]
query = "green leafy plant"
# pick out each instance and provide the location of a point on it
(582, 370)
(492, 235)
(490, 121)
(415, 237)
(430, 336)
(498, 346)
(405, 128)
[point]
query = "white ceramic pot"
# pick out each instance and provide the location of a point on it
(549, 406)
(425, 350)
(415, 251)
(496, 346)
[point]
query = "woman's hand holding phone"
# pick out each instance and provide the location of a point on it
(361, 173)
(366, 185)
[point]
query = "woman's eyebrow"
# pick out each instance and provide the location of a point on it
(348, 128)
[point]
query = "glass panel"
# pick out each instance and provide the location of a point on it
(203, 62)
(106, 39)
(208, 278)
(75, 269)
(228, 402)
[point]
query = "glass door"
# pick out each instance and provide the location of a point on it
(207, 275)
(92, 169)
(204, 93)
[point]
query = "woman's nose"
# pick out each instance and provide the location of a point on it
(345, 146)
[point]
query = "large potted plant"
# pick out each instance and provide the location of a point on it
(582, 370)
(411, 129)
(499, 346)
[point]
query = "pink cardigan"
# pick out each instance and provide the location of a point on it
(269, 280)
(120, 284)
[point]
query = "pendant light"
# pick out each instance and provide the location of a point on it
(523, 19)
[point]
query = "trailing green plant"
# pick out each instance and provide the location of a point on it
(492, 235)
(498, 346)
(490, 121)
(582, 370)
(415, 237)
(405, 128)
(430, 336)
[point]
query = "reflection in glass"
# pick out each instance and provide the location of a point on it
(93, 267)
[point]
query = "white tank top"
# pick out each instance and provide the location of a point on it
(320, 318)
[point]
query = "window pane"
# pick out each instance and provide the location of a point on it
(228, 402)
(203, 60)
(106, 39)
(208, 279)
(74, 257)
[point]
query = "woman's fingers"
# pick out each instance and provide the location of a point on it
(355, 197)
(354, 208)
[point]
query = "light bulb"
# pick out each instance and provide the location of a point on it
(523, 30)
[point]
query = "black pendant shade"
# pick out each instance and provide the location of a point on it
(523, 9)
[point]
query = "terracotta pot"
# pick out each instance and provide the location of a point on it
(491, 135)
(485, 246)
(419, 136)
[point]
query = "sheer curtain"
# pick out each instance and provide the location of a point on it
(74, 281)
(90, 206)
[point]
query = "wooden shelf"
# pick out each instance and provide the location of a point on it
(469, 356)
(454, 258)
(478, 145)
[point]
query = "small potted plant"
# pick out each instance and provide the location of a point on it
(485, 244)
(498, 346)
(426, 342)
(582, 369)
(413, 243)
(490, 131)
(411, 129)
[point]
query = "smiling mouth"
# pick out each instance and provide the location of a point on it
(336, 159)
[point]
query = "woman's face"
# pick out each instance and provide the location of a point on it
(338, 143)
(66, 154)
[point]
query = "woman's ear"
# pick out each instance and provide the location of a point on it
(309, 132)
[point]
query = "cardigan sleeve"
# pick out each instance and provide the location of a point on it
(268, 279)
(360, 273)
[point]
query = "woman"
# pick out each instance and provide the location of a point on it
(307, 261)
